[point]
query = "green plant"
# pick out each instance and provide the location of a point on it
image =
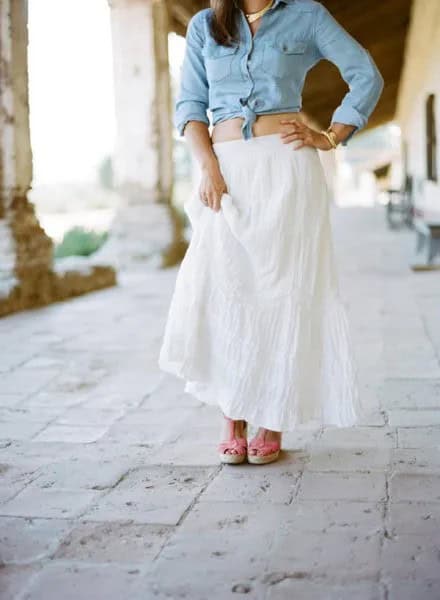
(80, 242)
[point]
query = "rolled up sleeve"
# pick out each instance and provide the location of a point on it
(192, 100)
(356, 66)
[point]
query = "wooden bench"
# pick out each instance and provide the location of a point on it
(427, 242)
(399, 208)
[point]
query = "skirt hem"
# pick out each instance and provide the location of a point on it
(177, 369)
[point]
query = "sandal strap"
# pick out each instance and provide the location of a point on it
(264, 447)
(234, 444)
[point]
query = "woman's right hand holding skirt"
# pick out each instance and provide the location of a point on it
(212, 185)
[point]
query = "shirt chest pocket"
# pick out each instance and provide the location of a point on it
(282, 57)
(219, 61)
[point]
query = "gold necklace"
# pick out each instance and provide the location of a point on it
(251, 17)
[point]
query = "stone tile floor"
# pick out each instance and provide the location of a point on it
(110, 485)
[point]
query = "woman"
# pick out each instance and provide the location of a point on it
(256, 324)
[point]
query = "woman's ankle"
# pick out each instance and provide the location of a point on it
(268, 434)
(239, 426)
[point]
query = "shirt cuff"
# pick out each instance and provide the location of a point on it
(349, 116)
(181, 121)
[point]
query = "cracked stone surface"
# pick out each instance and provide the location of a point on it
(110, 486)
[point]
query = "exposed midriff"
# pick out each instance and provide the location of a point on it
(230, 129)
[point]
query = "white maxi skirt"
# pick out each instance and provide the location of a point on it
(256, 324)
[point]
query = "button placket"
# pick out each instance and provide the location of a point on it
(247, 75)
(247, 103)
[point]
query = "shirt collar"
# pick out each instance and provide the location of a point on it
(236, 2)
(282, 2)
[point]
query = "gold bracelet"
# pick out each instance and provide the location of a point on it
(333, 135)
(330, 138)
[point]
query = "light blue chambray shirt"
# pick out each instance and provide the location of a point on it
(265, 73)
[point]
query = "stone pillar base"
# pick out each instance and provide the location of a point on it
(36, 279)
(138, 236)
(51, 287)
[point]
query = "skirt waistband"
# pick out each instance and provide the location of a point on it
(260, 144)
(253, 141)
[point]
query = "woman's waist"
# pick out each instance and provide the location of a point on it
(265, 124)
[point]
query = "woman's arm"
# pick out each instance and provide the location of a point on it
(212, 184)
(357, 68)
(190, 117)
(192, 100)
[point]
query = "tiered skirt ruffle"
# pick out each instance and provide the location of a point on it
(256, 323)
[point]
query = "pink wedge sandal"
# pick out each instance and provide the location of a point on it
(266, 452)
(239, 444)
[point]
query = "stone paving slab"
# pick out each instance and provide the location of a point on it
(45, 414)
(67, 433)
(291, 586)
(418, 518)
(338, 555)
(410, 393)
(362, 459)
(415, 417)
(7, 492)
(153, 495)
(113, 542)
(409, 557)
(71, 581)
(404, 589)
(161, 587)
(35, 502)
(81, 474)
(408, 487)
(367, 437)
(80, 415)
(110, 485)
(415, 460)
(418, 437)
(14, 579)
(29, 540)
(45, 453)
(359, 487)
(10, 400)
(277, 487)
(10, 430)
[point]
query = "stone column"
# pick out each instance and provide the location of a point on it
(27, 277)
(26, 252)
(143, 160)
(163, 105)
(143, 165)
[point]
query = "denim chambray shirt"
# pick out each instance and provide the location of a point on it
(265, 73)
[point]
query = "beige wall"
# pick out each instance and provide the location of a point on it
(421, 77)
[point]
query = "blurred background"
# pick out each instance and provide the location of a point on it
(109, 473)
(102, 82)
